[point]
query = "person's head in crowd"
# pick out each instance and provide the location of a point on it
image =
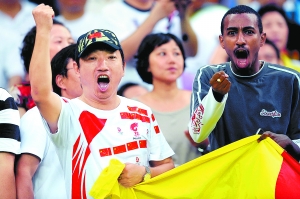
(60, 38)
(71, 6)
(131, 90)
(275, 24)
(160, 57)
(269, 53)
(241, 9)
(65, 76)
(277, 2)
(242, 42)
(102, 49)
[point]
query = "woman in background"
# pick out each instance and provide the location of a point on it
(160, 62)
(278, 29)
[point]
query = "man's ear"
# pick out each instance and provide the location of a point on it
(124, 66)
(59, 80)
(221, 39)
(263, 38)
(76, 69)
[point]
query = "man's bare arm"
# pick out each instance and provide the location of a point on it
(26, 168)
(48, 102)
(7, 179)
(189, 38)
(160, 10)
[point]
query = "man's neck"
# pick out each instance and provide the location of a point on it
(11, 9)
(140, 4)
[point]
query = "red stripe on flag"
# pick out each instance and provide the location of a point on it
(288, 181)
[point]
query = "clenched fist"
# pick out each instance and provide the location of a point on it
(43, 16)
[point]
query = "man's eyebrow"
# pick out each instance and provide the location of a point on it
(248, 27)
(236, 28)
(231, 28)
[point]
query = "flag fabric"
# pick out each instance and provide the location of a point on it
(243, 169)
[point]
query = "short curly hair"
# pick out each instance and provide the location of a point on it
(148, 44)
(28, 44)
(241, 9)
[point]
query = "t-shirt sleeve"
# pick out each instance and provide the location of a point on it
(9, 124)
(158, 146)
(33, 134)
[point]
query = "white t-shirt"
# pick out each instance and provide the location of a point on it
(21, 23)
(88, 138)
(87, 22)
(48, 181)
(10, 63)
(17, 27)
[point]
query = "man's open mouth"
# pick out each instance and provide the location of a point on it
(241, 53)
(103, 81)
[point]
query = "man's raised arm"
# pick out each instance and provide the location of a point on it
(47, 101)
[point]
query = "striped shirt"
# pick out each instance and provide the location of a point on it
(9, 124)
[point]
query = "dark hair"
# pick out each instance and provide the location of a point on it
(272, 7)
(294, 29)
(123, 88)
(59, 65)
(241, 9)
(274, 47)
(98, 46)
(148, 44)
(28, 44)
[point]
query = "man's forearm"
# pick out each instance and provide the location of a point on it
(40, 70)
(131, 43)
(205, 117)
(189, 38)
(24, 188)
(7, 176)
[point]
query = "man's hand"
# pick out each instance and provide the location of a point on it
(281, 139)
(182, 6)
(162, 9)
(131, 175)
(203, 145)
(43, 16)
(220, 83)
(284, 141)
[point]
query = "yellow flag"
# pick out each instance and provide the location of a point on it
(243, 169)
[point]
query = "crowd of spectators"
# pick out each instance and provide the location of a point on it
(187, 32)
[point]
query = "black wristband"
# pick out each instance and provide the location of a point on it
(185, 37)
(218, 96)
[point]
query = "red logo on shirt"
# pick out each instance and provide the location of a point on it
(134, 128)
